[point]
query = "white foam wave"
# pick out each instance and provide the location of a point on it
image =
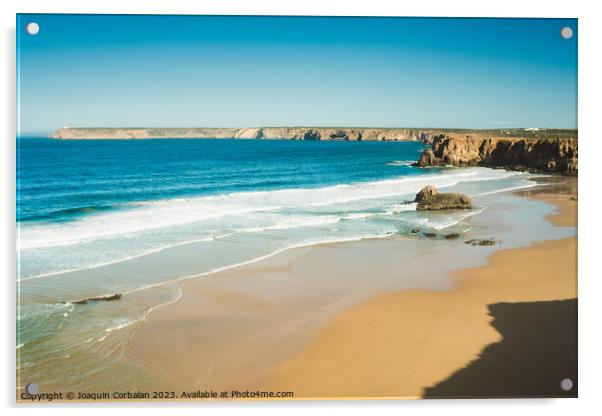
(397, 208)
(159, 214)
(440, 223)
(159, 225)
(43, 310)
(298, 221)
(284, 224)
(173, 212)
(401, 163)
(117, 260)
(530, 184)
(358, 216)
(119, 324)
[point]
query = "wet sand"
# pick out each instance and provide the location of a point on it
(309, 321)
(228, 330)
(507, 329)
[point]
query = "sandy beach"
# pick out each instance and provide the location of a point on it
(505, 330)
(308, 321)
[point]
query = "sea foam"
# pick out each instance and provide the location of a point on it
(140, 217)
(145, 228)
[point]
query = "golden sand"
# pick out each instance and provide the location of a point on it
(399, 344)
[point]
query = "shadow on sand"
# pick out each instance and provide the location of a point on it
(538, 350)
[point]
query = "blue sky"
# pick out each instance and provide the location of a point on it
(219, 71)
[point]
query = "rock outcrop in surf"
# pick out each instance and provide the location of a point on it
(430, 199)
(106, 298)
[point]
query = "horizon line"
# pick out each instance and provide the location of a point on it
(301, 127)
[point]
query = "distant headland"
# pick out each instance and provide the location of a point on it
(299, 133)
(275, 133)
(529, 149)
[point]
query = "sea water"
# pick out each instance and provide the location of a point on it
(101, 217)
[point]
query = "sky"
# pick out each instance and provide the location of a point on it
(226, 71)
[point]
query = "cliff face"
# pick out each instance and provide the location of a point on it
(290, 133)
(352, 134)
(146, 133)
(534, 155)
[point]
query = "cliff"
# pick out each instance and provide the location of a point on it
(290, 133)
(554, 155)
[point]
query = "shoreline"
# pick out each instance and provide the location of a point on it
(326, 278)
(361, 352)
(239, 328)
(192, 341)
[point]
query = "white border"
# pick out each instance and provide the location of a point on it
(590, 278)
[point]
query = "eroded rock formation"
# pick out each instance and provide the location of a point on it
(430, 199)
(535, 155)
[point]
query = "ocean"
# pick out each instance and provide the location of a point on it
(137, 217)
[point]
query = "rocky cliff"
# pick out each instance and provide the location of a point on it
(290, 133)
(555, 155)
